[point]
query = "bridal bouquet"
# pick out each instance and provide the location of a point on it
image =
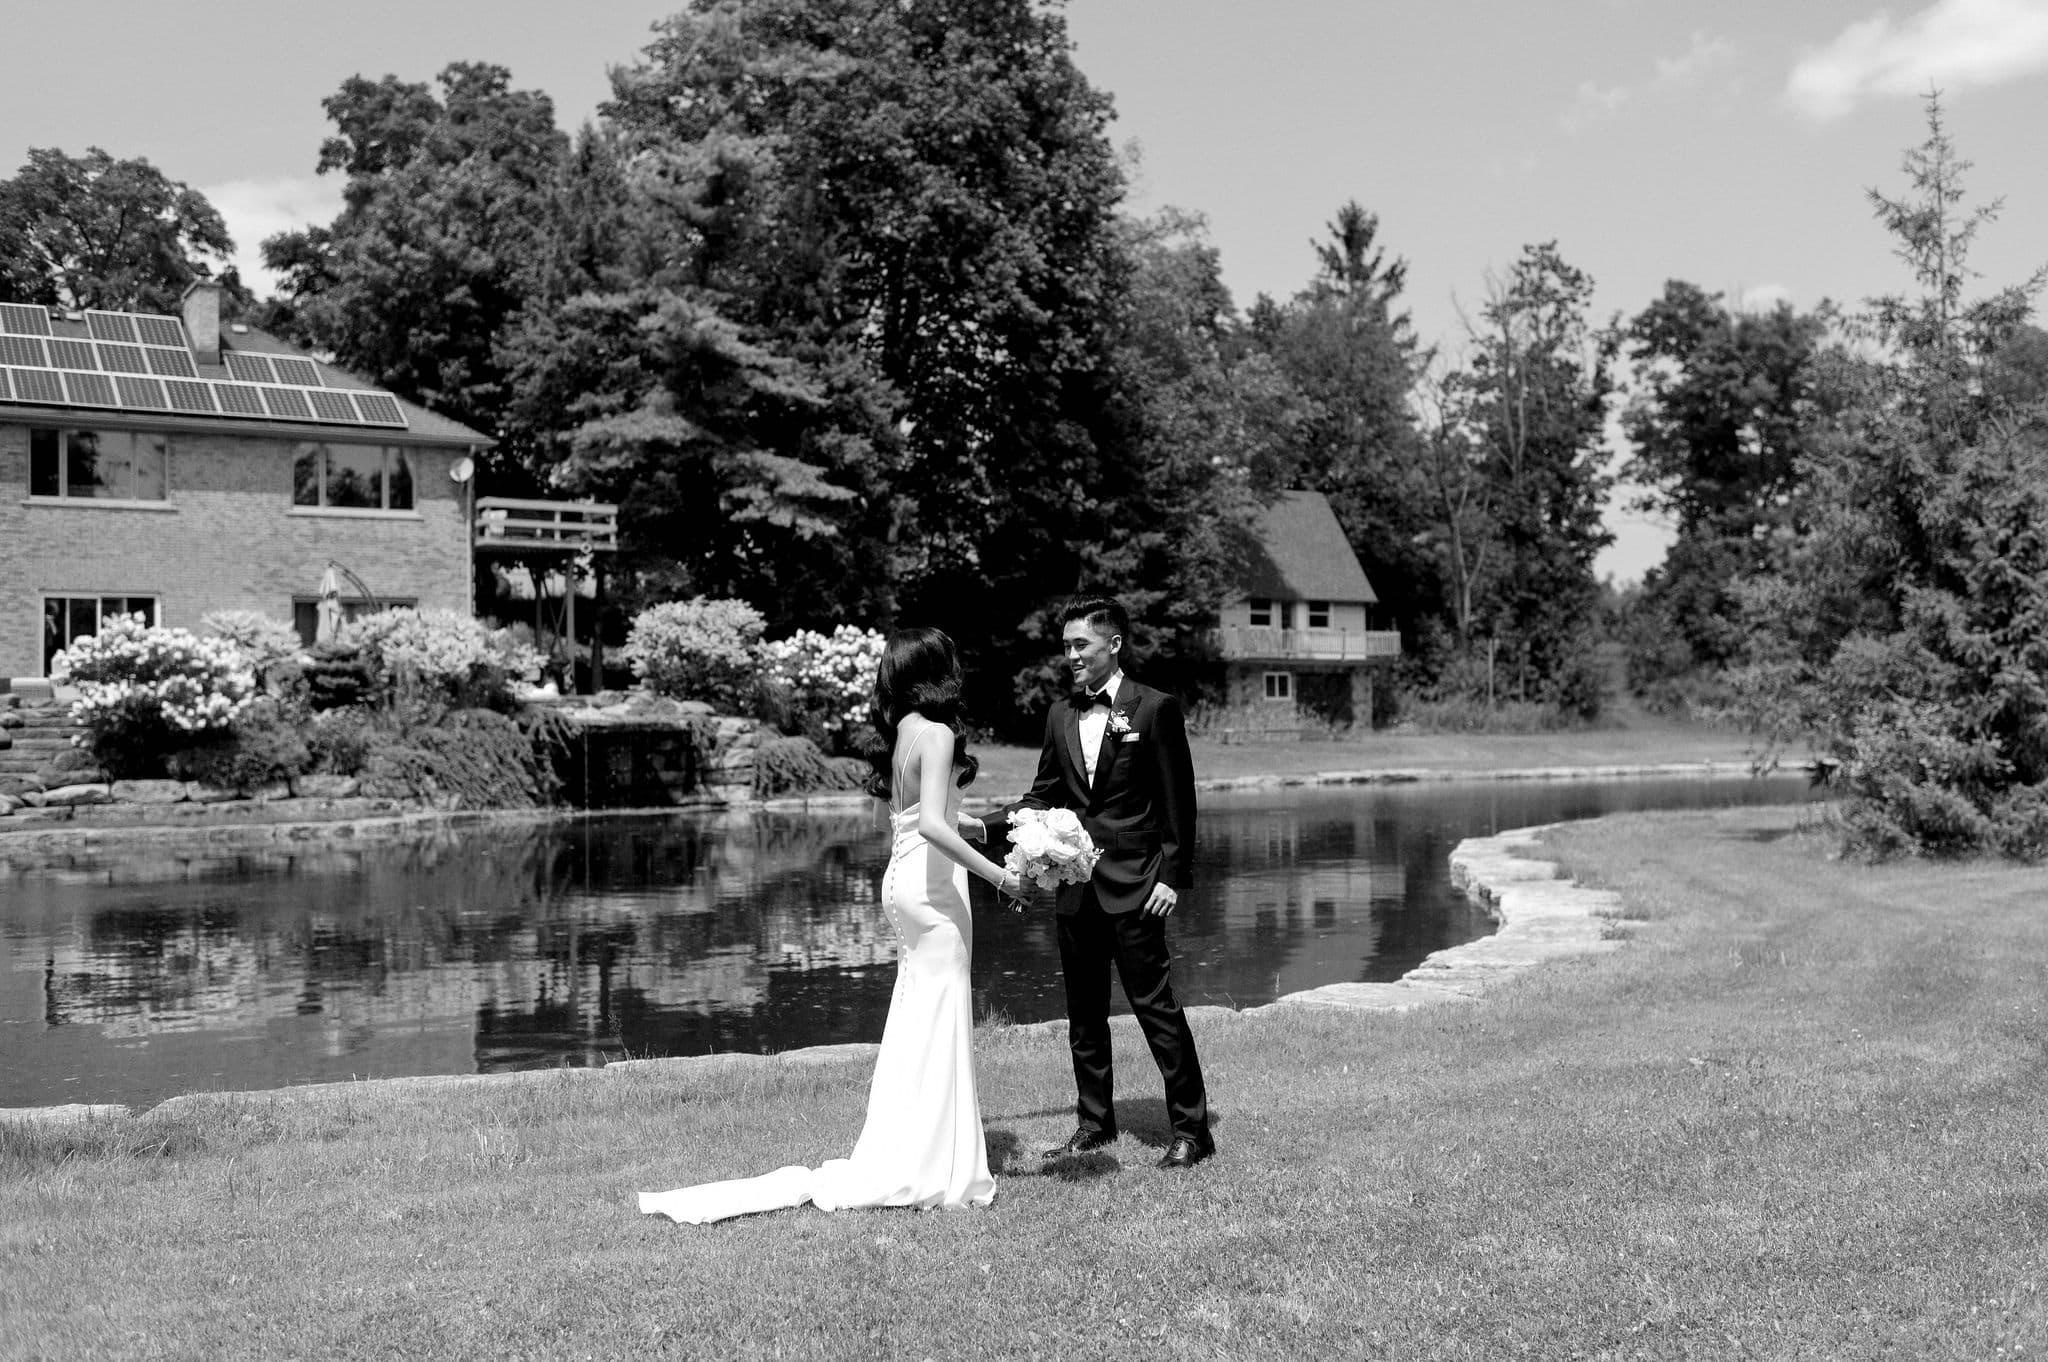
(1049, 847)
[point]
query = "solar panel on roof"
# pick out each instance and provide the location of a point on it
(289, 403)
(24, 319)
(332, 406)
(122, 359)
(6, 388)
(300, 372)
(170, 363)
(249, 368)
(160, 331)
(71, 354)
(37, 385)
(379, 409)
(144, 393)
(89, 390)
(26, 351)
(238, 399)
(111, 326)
(189, 394)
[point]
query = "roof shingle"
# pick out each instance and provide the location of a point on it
(1303, 555)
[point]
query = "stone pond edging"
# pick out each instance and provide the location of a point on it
(1541, 916)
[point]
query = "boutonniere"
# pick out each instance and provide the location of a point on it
(1119, 722)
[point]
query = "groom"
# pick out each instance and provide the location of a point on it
(1116, 752)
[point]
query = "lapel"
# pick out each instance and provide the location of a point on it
(1126, 702)
(1072, 725)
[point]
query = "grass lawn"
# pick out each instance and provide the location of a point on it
(1802, 1115)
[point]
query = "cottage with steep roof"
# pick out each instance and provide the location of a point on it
(1302, 635)
(174, 466)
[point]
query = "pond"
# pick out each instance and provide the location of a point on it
(134, 975)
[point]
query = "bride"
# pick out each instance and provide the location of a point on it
(922, 1144)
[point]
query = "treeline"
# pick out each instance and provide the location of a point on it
(841, 305)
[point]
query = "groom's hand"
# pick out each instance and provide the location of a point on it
(1163, 900)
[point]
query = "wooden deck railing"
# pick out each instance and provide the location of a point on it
(1265, 643)
(509, 524)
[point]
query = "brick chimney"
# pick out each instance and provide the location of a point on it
(201, 306)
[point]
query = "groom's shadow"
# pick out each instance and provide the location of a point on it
(1144, 1120)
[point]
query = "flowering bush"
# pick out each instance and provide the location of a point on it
(829, 678)
(697, 649)
(140, 688)
(441, 650)
(267, 642)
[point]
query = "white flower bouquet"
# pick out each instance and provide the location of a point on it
(1049, 847)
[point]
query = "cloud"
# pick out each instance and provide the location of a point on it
(1693, 66)
(1950, 45)
(255, 209)
(1763, 297)
(1590, 104)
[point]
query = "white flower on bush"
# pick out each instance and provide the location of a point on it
(699, 649)
(831, 676)
(266, 641)
(131, 672)
(440, 647)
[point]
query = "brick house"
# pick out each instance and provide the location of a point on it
(1302, 635)
(175, 466)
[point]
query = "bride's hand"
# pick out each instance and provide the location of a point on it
(1011, 885)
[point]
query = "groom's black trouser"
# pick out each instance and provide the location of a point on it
(1090, 942)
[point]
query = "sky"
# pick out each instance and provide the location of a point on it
(1730, 145)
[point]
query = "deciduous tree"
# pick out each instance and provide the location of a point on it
(89, 231)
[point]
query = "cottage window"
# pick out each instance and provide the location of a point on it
(1279, 685)
(67, 619)
(352, 478)
(1318, 614)
(109, 465)
(1261, 611)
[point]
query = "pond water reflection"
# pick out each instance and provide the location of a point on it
(131, 976)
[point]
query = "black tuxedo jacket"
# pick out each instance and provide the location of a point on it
(1139, 809)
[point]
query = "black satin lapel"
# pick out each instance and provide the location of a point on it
(1074, 752)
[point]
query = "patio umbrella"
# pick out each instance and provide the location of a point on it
(327, 614)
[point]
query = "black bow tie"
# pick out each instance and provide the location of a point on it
(1088, 699)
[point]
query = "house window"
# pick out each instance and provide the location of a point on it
(1261, 611)
(351, 477)
(109, 465)
(67, 619)
(1279, 685)
(1318, 614)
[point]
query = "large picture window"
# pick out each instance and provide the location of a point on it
(352, 478)
(66, 619)
(101, 465)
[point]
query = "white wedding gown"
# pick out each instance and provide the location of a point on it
(922, 1144)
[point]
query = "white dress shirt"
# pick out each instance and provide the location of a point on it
(1095, 718)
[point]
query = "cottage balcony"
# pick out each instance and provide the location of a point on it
(513, 525)
(1267, 643)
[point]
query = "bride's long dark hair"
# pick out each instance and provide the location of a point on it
(920, 673)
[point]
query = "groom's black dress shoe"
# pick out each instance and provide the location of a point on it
(1082, 1141)
(1186, 1153)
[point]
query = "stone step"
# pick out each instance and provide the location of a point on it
(42, 743)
